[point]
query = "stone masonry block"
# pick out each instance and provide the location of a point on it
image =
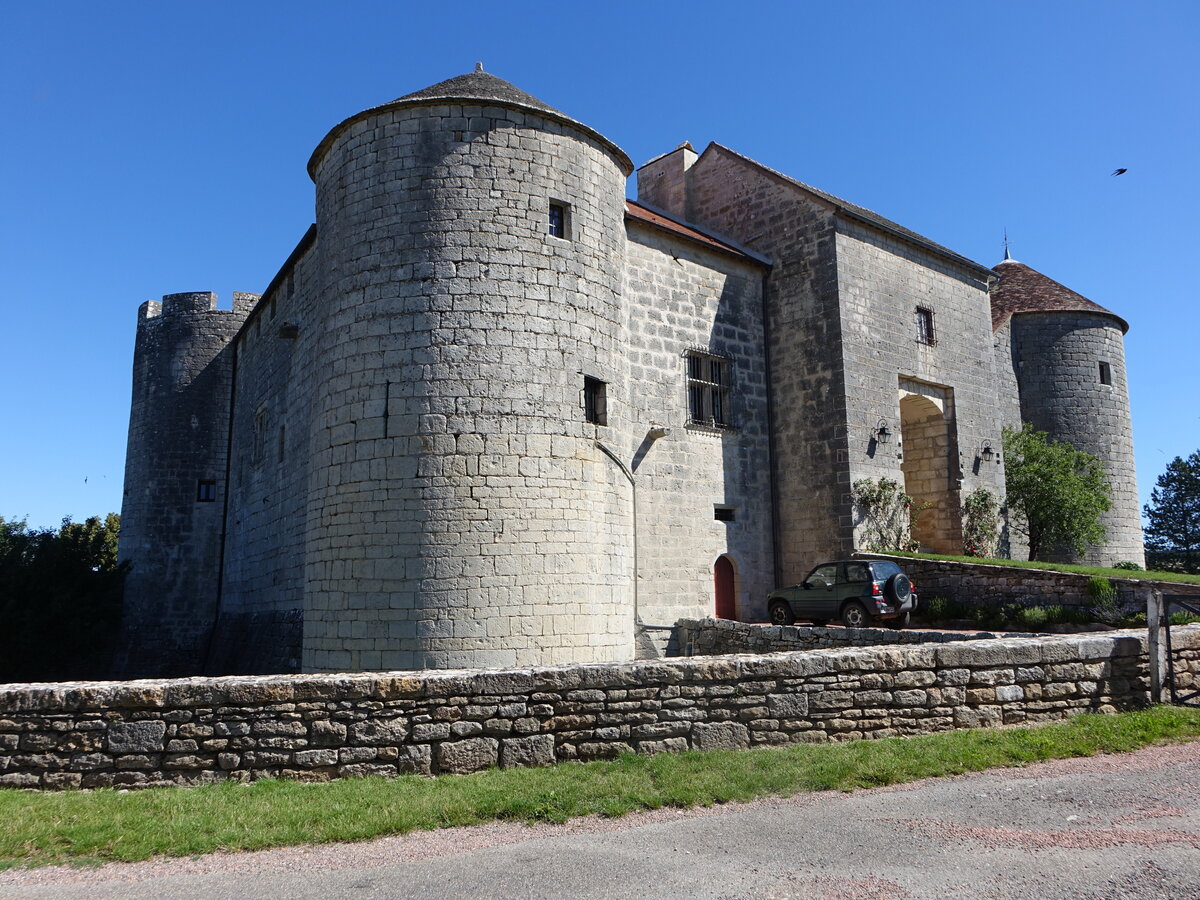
(536, 750)
(136, 737)
(471, 755)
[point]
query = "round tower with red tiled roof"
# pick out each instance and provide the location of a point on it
(1069, 358)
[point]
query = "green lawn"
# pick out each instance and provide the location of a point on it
(98, 826)
(1137, 575)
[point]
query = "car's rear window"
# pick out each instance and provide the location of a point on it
(885, 570)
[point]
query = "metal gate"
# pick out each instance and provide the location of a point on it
(1172, 603)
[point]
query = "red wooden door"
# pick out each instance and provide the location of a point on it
(723, 583)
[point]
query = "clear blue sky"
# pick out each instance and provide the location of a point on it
(151, 148)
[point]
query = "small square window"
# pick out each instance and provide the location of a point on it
(595, 401)
(559, 220)
(724, 513)
(925, 333)
(206, 491)
(1105, 373)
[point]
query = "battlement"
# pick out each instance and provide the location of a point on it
(192, 302)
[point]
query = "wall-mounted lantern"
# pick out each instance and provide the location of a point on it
(882, 434)
(986, 453)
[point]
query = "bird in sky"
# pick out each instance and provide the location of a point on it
(1120, 171)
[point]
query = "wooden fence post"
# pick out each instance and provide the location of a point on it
(1155, 650)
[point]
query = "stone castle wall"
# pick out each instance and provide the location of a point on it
(459, 510)
(766, 213)
(319, 727)
(1058, 357)
(178, 435)
(883, 282)
(261, 619)
(679, 297)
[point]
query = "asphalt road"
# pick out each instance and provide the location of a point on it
(1125, 827)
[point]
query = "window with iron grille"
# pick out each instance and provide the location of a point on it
(925, 333)
(709, 382)
(206, 491)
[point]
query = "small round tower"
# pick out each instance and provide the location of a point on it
(1069, 356)
(471, 251)
(171, 513)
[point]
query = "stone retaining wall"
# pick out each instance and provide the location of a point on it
(980, 584)
(192, 731)
(711, 637)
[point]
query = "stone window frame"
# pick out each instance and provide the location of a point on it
(1106, 373)
(710, 380)
(259, 450)
(925, 330)
(206, 490)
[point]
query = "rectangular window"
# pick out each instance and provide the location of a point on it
(709, 382)
(282, 444)
(595, 401)
(206, 491)
(559, 221)
(724, 513)
(1105, 373)
(925, 326)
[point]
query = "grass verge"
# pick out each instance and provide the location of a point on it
(1133, 574)
(91, 827)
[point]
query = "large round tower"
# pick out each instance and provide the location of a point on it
(461, 513)
(1069, 356)
(171, 513)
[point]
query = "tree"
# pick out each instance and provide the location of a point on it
(1173, 516)
(1055, 492)
(60, 599)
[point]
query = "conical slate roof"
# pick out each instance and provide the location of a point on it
(481, 86)
(1022, 289)
(478, 87)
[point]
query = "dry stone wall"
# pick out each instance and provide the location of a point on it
(713, 637)
(979, 584)
(317, 727)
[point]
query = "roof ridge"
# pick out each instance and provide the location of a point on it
(861, 212)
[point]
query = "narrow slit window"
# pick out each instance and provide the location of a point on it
(206, 491)
(1105, 373)
(595, 401)
(925, 333)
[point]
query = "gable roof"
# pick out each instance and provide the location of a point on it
(642, 213)
(1023, 289)
(864, 215)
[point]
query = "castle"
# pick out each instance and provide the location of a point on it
(490, 412)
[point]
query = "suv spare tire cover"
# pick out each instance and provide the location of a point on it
(898, 588)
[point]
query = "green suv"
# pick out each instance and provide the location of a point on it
(858, 592)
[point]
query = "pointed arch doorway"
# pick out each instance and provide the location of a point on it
(724, 586)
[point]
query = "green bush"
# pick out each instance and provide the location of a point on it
(942, 609)
(1128, 566)
(1105, 607)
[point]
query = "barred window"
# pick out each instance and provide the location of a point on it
(206, 491)
(925, 326)
(709, 382)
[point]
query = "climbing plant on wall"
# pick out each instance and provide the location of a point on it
(887, 514)
(981, 523)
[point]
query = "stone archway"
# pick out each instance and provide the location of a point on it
(930, 466)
